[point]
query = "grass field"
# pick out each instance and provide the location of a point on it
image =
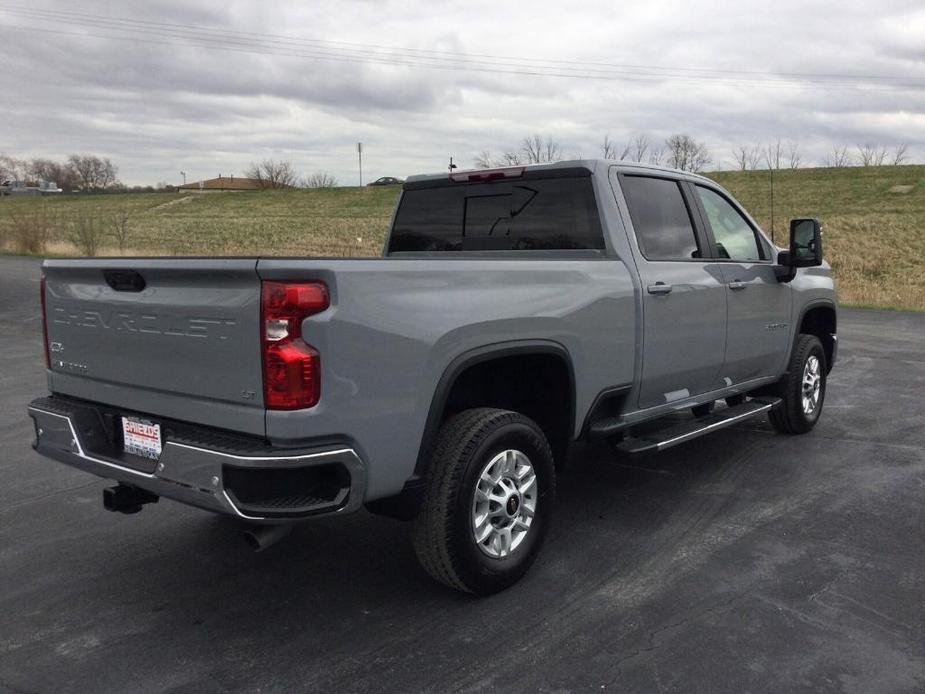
(874, 220)
(873, 225)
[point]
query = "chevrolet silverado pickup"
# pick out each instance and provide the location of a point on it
(513, 312)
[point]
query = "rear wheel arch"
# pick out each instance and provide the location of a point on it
(462, 386)
(505, 375)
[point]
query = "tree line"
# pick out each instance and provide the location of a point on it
(280, 173)
(79, 172)
(681, 151)
(678, 151)
(778, 155)
(91, 173)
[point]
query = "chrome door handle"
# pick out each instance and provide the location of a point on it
(659, 288)
(735, 285)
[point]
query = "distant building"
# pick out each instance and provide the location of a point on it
(227, 184)
(29, 189)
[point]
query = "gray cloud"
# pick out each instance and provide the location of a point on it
(156, 108)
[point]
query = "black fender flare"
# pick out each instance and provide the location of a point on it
(809, 306)
(476, 356)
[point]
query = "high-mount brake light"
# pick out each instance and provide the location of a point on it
(487, 174)
(45, 326)
(291, 366)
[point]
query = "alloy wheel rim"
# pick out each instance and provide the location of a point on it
(812, 384)
(504, 503)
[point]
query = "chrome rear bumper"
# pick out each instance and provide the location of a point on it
(196, 474)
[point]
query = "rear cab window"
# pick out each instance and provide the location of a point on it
(551, 210)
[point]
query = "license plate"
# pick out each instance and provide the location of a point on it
(141, 437)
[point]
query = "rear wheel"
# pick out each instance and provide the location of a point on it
(802, 389)
(488, 501)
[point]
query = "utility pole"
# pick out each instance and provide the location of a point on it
(183, 173)
(452, 165)
(360, 156)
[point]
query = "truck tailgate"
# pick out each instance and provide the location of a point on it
(172, 337)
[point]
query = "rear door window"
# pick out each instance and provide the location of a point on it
(525, 214)
(664, 230)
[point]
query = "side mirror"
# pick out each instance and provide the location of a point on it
(805, 243)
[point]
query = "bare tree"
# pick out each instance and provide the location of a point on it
(774, 154)
(119, 227)
(30, 229)
(47, 170)
(639, 146)
(793, 154)
(656, 155)
(871, 154)
(608, 148)
(900, 154)
(12, 169)
(511, 159)
(483, 160)
(272, 173)
(321, 179)
(538, 149)
(837, 157)
(747, 157)
(685, 153)
(85, 232)
(92, 172)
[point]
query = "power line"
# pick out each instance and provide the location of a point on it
(163, 33)
(425, 53)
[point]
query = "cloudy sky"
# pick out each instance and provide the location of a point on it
(207, 87)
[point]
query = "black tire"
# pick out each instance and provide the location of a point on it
(443, 531)
(790, 416)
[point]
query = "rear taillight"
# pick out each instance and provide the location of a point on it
(291, 366)
(45, 327)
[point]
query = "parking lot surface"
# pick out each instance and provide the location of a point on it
(744, 561)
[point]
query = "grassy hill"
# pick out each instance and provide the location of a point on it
(336, 221)
(874, 221)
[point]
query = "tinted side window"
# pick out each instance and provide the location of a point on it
(542, 214)
(735, 238)
(662, 222)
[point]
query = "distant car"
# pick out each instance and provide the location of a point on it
(386, 181)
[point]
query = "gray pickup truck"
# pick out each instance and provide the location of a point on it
(514, 312)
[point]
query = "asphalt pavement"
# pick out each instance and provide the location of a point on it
(744, 561)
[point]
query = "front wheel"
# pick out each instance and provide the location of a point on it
(488, 501)
(802, 389)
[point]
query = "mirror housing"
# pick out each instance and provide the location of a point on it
(805, 243)
(805, 248)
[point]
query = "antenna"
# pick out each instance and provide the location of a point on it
(771, 176)
(452, 165)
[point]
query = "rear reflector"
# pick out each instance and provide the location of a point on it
(487, 174)
(291, 366)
